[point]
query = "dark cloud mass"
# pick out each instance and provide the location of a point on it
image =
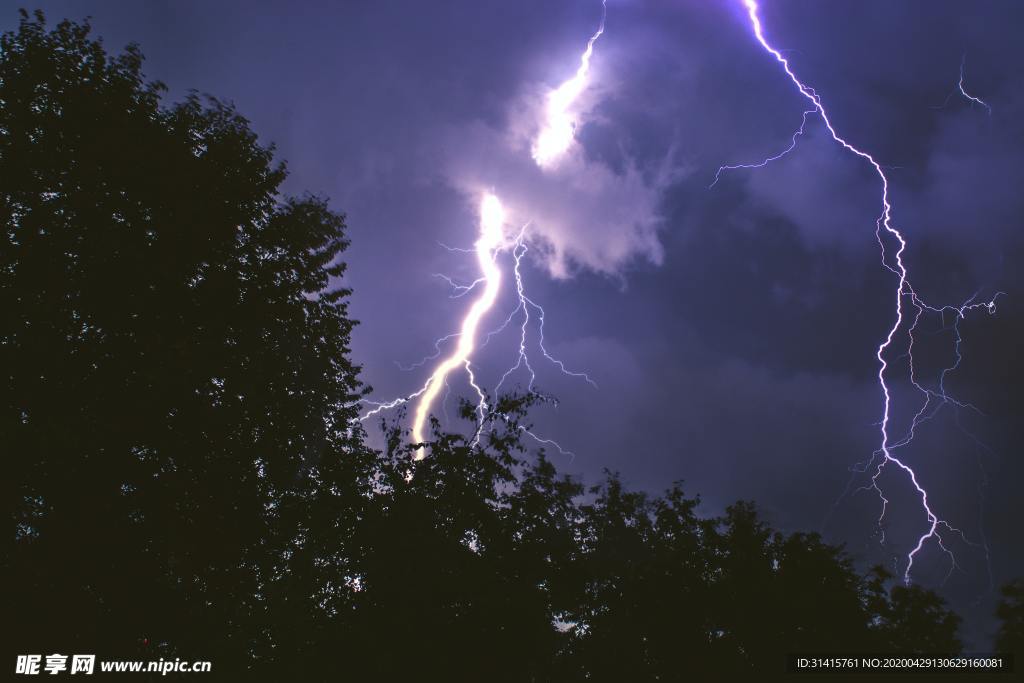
(732, 330)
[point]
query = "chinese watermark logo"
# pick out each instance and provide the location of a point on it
(56, 663)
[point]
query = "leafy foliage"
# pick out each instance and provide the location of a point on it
(176, 365)
(1010, 638)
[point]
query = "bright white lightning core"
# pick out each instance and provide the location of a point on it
(492, 223)
(554, 140)
(557, 134)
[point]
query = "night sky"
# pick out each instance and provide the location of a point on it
(731, 331)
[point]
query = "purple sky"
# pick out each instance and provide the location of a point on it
(731, 331)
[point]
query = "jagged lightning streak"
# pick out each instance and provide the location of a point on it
(767, 160)
(961, 89)
(525, 304)
(554, 140)
(560, 125)
(935, 525)
(492, 236)
(491, 242)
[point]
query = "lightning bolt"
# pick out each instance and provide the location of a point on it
(961, 90)
(492, 224)
(884, 457)
(553, 141)
(559, 128)
(491, 242)
(525, 305)
(767, 160)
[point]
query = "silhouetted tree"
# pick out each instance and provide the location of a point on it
(920, 623)
(460, 558)
(669, 596)
(187, 475)
(1010, 637)
(176, 367)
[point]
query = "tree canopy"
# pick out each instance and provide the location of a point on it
(186, 474)
(177, 366)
